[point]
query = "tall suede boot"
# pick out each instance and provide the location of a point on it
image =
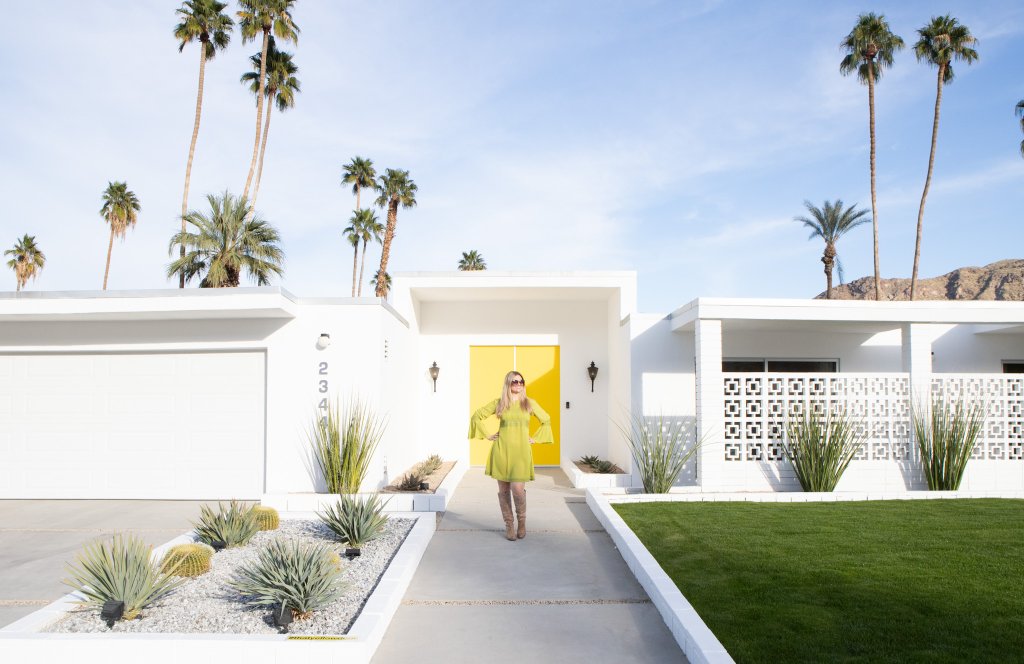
(505, 501)
(520, 500)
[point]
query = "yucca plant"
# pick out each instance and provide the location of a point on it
(234, 524)
(302, 577)
(946, 434)
(342, 444)
(355, 520)
(659, 449)
(821, 447)
(120, 569)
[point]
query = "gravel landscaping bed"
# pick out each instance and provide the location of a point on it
(206, 604)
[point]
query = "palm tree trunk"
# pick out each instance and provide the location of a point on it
(385, 252)
(259, 111)
(110, 249)
(828, 258)
(927, 181)
(263, 151)
(362, 268)
(192, 148)
(355, 263)
(357, 197)
(874, 199)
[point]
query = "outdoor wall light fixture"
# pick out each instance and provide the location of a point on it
(112, 611)
(283, 617)
(434, 370)
(324, 341)
(592, 372)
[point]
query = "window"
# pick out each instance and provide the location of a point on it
(1013, 367)
(785, 366)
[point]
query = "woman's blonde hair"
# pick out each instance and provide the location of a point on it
(506, 394)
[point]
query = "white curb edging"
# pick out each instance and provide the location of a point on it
(22, 639)
(694, 637)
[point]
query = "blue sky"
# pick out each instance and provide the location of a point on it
(677, 139)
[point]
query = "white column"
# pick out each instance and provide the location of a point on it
(710, 403)
(917, 360)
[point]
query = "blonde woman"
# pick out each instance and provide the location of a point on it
(511, 458)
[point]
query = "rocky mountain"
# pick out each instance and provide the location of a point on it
(1002, 280)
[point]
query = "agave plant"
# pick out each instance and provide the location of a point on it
(432, 463)
(946, 434)
(659, 449)
(821, 446)
(590, 460)
(603, 466)
(234, 524)
(411, 480)
(342, 443)
(302, 577)
(120, 569)
(354, 520)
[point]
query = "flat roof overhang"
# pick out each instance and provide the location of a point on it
(491, 286)
(846, 315)
(141, 305)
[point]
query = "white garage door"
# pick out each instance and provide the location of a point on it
(127, 425)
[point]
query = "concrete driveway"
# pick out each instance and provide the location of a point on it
(39, 537)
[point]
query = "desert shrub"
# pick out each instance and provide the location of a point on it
(821, 447)
(342, 443)
(120, 569)
(659, 449)
(302, 577)
(187, 559)
(355, 520)
(267, 518)
(946, 434)
(234, 524)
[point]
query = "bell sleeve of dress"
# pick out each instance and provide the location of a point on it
(544, 433)
(475, 430)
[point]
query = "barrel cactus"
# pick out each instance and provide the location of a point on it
(187, 559)
(267, 517)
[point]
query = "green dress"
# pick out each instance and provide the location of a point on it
(511, 458)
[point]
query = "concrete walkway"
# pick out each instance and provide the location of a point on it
(39, 537)
(563, 594)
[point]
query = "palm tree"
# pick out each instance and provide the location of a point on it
(472, 261)
(831, 222)
(1020, 111)
(359, 173)
(203, 20)
(377, 280)
(395, 189)
(352, 233)
(226, 242)
(370, 229)
(120, 210)
(941, 41)
(260, 18)
(281, 86)
(870, 47)
(26, 260)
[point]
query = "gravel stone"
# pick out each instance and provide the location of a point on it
(206, 604)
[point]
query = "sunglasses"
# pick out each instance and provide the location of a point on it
(518, 381)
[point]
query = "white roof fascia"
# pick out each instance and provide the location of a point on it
(846, 311)
(166, 304)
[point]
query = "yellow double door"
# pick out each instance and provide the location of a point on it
(539, 367)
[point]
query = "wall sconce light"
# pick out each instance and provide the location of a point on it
(434, 370)
(323, 341)
(592, 372)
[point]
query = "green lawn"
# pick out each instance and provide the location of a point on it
(893, 581)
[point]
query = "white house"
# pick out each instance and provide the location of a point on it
(207, 394)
